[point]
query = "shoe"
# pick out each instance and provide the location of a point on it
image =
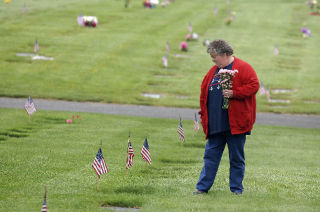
(199, 192)
(237, 192)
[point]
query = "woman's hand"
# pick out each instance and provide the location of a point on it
(227, 93)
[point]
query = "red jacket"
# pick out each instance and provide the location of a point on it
(242, 107)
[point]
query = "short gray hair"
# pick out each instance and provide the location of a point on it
(220, 47)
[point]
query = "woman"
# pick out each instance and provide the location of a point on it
(226, 126)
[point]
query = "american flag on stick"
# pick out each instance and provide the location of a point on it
(180, 131)
(268, 95)
(167, 47)
(196, 123)
(44, 205)
(36, 46)
(165, 61)
(145, 152)
(99, 165)
(29, 106)
(276, 50)
(130, 155)
(190, 27)
(262, 90)
(215, 10)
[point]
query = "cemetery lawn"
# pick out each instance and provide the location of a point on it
(120, 60)
(282, 166)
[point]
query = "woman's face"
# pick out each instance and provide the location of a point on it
(219, 60)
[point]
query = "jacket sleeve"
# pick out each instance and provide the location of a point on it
(249, 83)
(202, 95)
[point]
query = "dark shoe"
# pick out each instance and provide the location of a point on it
(199, 192)
(237, 192)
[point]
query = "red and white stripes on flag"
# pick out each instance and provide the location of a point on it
(99, 165)
(130, 155)
(180, 131)
(145, 152)
(29, 106)
(196, 123)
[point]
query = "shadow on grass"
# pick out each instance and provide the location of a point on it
(13, 133)
(132, 203)
(136, 189)
(195, 145)
(52, 120)
(178, 161)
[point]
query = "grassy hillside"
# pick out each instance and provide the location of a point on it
(121, 59)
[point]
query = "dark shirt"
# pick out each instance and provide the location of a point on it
(218, 119)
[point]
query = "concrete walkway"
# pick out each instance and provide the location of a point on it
(303, 121)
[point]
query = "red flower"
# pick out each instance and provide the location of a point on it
(73, 116)
(78, 116)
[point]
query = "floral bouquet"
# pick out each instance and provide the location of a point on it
(87, 21)
(226, 83)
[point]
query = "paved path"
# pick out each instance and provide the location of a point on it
(303, 121)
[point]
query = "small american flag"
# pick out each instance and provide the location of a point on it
(44, 205)
(36, 46)
(167, 47)
(196, 123)
(262, 90)
(165, 61)
(99, 165)
(268, 95)
(215, 10)
(29, 106)
(190, 27)
(275, 50)
(145, 152)
(180, 131)
(130, 155)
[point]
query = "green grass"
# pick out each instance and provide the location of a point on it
(121, 58)
(282, 166)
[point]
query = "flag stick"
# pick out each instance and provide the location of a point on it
(29, 117)
(98, 185)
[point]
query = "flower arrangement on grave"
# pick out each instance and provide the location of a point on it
(315, 8)
(184, 46)
(226, 83)
(305, 32)
(87, 21)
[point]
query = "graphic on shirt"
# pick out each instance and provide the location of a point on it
(215, 83)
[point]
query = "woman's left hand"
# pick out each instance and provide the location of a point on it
(227, 93)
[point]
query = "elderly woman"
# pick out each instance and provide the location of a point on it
(226, 126)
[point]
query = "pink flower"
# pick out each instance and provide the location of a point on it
(69, 121)
(183, 46)
(188, 37)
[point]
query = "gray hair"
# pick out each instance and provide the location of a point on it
(220, 47)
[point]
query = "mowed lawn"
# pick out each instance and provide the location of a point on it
(282, 165)
(121, 59)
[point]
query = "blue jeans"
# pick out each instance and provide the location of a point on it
(212, 156)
